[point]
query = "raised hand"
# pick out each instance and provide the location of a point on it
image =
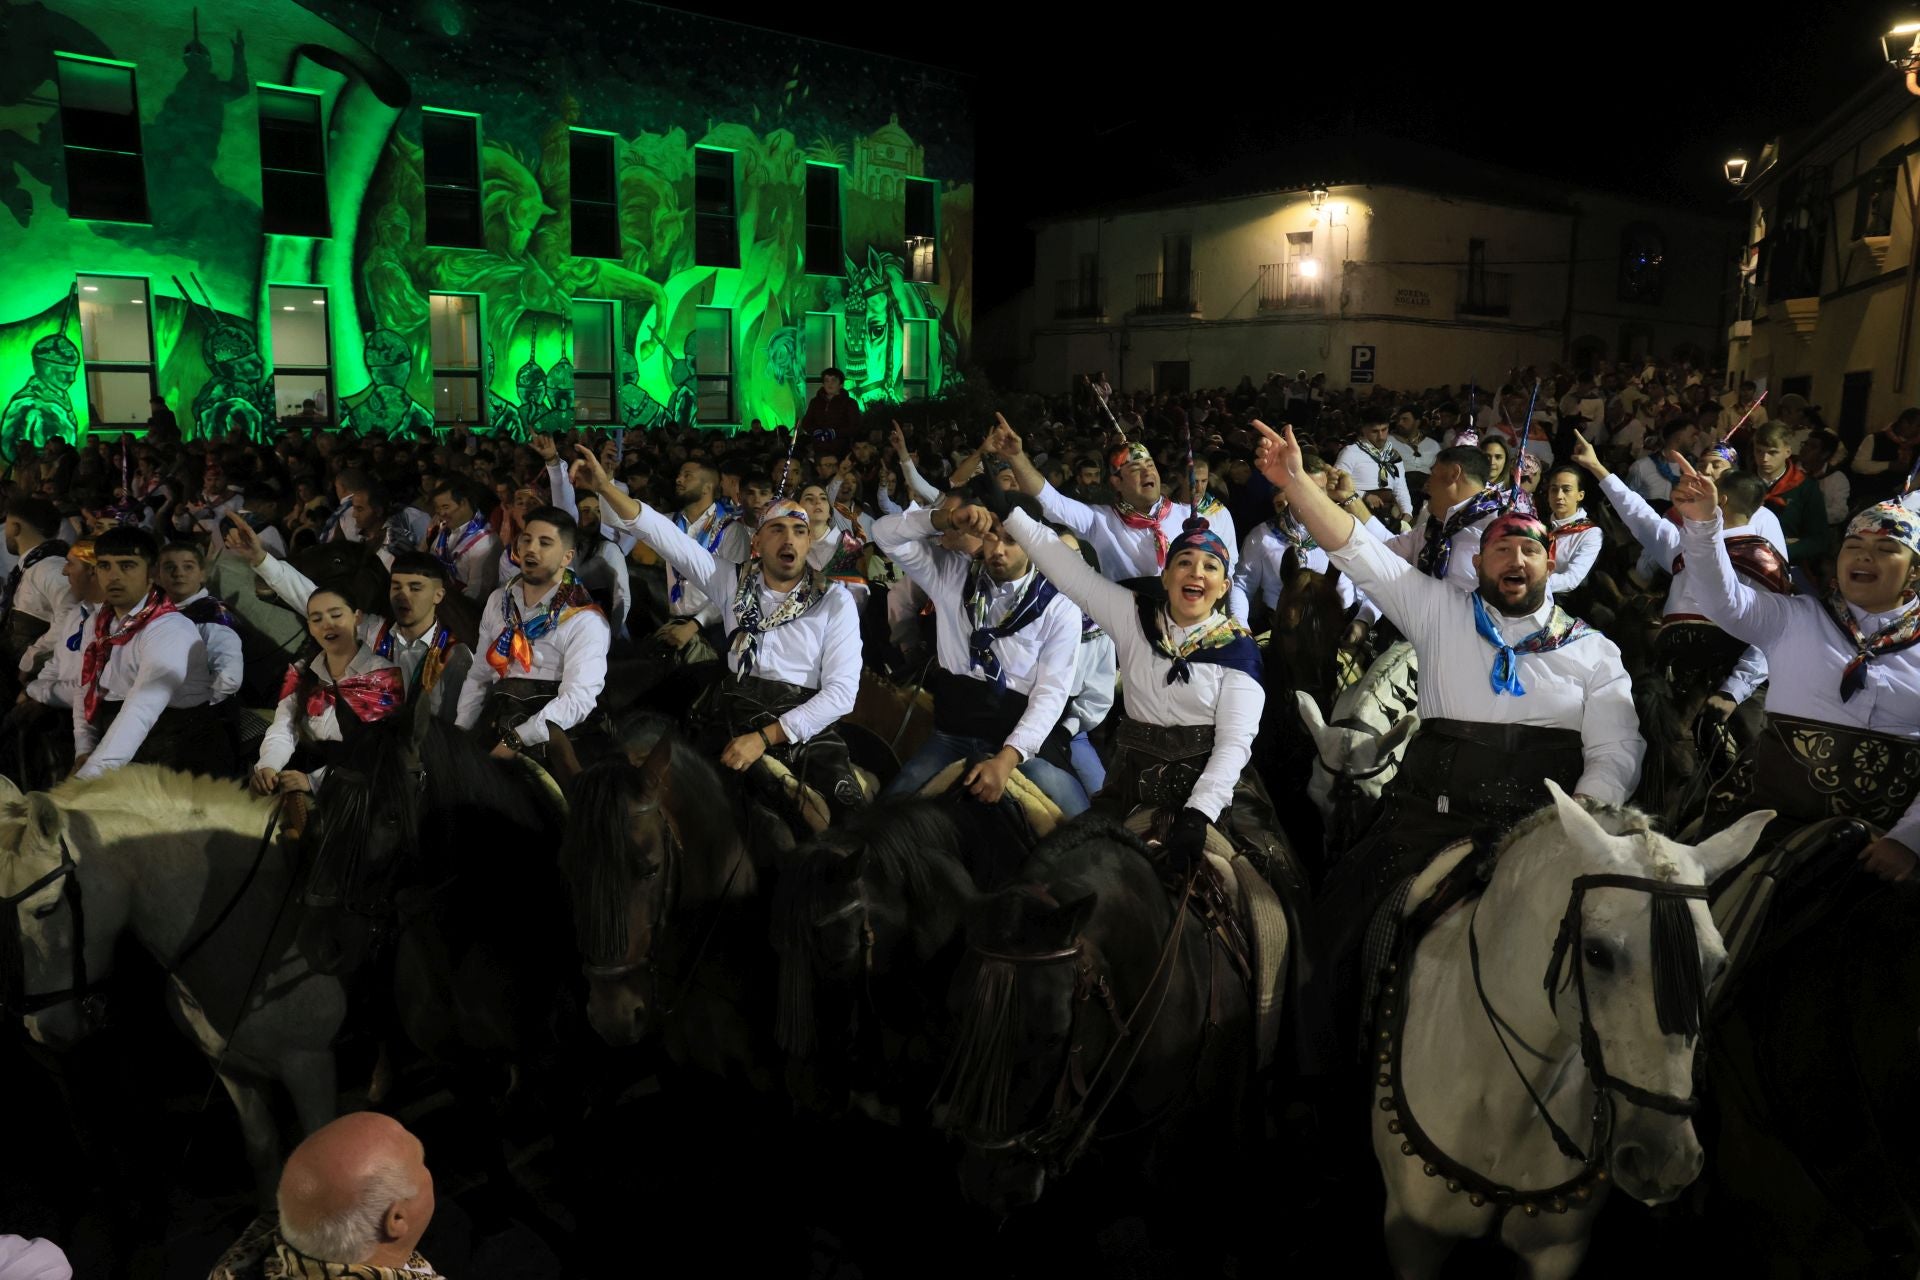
(898, 439)
(1694, 496)
(970, 519)
(588, 475)
(1002, 440)
(1585, 458)
(1277, 457)
(243, 541)
(1340, 485)
(543, 445)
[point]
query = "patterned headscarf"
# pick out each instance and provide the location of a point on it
(1196, 535)
(1888, 520)
(786, 509)
(1515, 524)
(1125, 456)
(1722, 450)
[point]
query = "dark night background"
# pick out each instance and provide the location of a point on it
(1076, 107)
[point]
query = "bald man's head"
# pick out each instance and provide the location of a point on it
(357, 1190)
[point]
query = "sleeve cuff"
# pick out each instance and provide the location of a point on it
(532, 731)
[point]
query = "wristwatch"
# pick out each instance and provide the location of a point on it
(512, 738)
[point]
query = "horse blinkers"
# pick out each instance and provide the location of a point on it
(87, 995)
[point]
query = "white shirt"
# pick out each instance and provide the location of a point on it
(163, 665)
(475, 570)
(1127, 552)
(1231, 701)
(1644, 478)
(1038, 660)
(573, 653)
(225, 665)
(818, 650)
(43, 594)
(603, 568)
(1465, 542)
(1262, 558)
(733, 546)
(1661, 537)
(1575, 554)
(1096, 673)
(1581, 686)
(59, 676)
(282, 736)
(293, 587)
(1418, 455)
(1798, 635)
(1359, 464)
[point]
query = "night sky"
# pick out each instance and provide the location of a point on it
(1644, 99)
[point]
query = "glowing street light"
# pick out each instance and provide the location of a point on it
(1737, 170)
(1318, 196)
(1310, 268)
(1901, 48)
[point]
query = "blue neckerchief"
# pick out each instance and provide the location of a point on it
(1032, 603)
(1437, 553)
(1562, 628)
(73, 641)
(1665, 469)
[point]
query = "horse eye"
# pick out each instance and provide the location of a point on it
(41, 913)
(1597, 956)
(653, 869)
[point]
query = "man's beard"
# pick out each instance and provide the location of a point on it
(1528, 603)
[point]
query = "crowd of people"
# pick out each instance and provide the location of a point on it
(1082, 590)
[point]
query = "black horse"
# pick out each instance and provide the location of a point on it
(1091, 1005)
(874, 911)
(1812, 1125)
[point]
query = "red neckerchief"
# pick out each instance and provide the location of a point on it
(1157, 522)
(1792, 478)
(1566, 531)
(370, 696)
(1755, 559)
(93, 663)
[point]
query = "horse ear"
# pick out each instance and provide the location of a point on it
(1721, 853)
(45, 819)
(1069, 918)
(847, 868)
(8, 791)
(1575, 820)
(1310, 716)
(1398, 732)
(658, 768)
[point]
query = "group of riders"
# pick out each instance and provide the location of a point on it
(1078, 606)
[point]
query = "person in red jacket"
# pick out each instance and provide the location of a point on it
(833, 419)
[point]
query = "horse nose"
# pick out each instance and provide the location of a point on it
(1656, 1176)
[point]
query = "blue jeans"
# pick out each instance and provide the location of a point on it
(1086, 763)
(942, 749)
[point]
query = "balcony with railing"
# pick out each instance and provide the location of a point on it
(1158, 293)
(1078, 299)
(1485, 293)
(1286, 286)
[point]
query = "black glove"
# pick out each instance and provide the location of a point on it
(1186, 842)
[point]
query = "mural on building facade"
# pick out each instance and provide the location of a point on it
(685, 81)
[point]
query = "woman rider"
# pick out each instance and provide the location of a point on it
(327, 702)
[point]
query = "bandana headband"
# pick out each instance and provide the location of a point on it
(1888, 520)
(785, 509)
(1125, 456)
(1724, 450)
(1515, 525)
(1196, 535)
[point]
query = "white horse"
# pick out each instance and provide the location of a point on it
(164, 854)
(1482, 1053)
(1358, 754)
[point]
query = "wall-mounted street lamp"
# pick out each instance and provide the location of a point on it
(1901, 48)
(1318, 196)
(1736, 170)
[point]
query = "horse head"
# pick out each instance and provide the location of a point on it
(1351, 768)
(50, 960)
(1615, 918)
(1030, 1037)
(624, 863)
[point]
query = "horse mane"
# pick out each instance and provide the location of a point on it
(143, 789)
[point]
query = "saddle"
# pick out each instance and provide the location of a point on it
(1043, 815)
(1798, 872)
(1243, 909)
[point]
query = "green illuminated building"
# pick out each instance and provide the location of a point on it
(457, 210)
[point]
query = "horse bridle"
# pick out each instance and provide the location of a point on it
(1063, 1134)
(1605, 1083)
(14, 1000)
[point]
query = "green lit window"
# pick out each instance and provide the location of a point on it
(916, 358)
(116, 342)
(594, 190)
(100, 133)
(451, 142)
(923, 229)
(453, 324)
(293, 164)
(302, 352)
(825, 253)
(820, 334)
(592, 361)
(716, 234)
(713, 364)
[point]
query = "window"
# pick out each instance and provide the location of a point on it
(713, 364)
(820, 334)
(302, 358)
(916, 358)
(1873, 201)
(1483, 292)
(100, 130)
(824, 254)
(716, 238)
(923, 229)
(116, 342)
(594, 190)
(1176, 271)
(1303, 270)
(1643, 263)
(293, 164)
(453, 322)
(452, 144)
(592, 361)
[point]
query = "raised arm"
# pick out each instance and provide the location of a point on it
(1107, 603)
(1002, 442)
(906, 540)
(688, 558)
(1649, 528)
(1758, 617)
